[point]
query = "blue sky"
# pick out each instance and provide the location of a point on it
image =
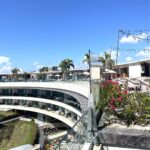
(36, 33)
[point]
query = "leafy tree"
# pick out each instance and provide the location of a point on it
(65, 66)
(15, 70)
(44, 69)
(54, 68)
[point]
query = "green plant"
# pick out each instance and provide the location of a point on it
(137, 109)
(130, 108)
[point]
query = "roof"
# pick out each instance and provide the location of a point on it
(133, 63)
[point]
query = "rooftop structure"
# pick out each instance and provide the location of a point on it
(134, 69)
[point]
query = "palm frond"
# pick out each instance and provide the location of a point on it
(101, 59)
(87, 58)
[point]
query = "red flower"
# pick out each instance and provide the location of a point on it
(113, 99)
(125, 92)
(119, 99)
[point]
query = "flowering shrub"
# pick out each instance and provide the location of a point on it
(135, 107)
(112, 95)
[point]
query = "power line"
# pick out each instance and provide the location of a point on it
(140, 35)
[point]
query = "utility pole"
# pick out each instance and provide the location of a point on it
(118, 40)
(137, 35)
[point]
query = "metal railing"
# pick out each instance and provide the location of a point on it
(86, 131)
(74, 140)
(44, 80)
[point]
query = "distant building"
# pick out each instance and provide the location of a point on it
(134, 69)
(75, 74)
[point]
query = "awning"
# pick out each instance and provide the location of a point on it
(109, 71)
(86, 73)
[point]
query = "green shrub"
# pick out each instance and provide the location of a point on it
(135, 107)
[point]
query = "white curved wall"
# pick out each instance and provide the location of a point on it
(81, 87)
(48, 101)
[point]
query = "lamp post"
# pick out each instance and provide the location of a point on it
(90, 71)
(87, 59)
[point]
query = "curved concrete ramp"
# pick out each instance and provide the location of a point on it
(53, 114)
(43, 100)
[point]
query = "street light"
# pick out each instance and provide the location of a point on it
(87, 58)
(90, 71)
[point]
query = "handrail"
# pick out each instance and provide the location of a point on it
(87, 134)
(69, 130)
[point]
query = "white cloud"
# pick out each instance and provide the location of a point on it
(129, 39)
(134, 38)
(4, 59)
(81, 65)
(5, 65)
(113, 53)
(143, 54)
(21, 70)
(143, 36)
(128, 59)
(37, 65)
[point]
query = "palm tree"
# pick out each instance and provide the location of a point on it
(65, 66)
(86, 58)
(107, 62)
(15, 71)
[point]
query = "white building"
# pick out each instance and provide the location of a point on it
(134, 69)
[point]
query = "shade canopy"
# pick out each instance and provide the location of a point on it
(50, 75)
(57, 75)
(86, 73)
(109, 71)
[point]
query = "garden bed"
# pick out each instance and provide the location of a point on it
(17, 133)
(5, 115)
